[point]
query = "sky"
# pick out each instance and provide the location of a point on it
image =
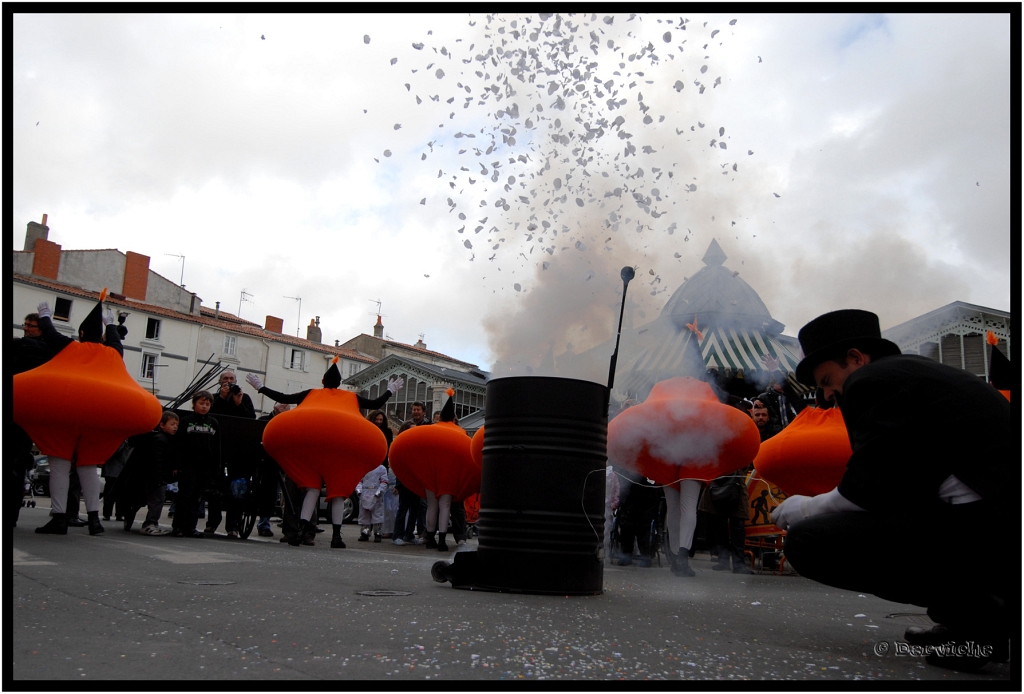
(485, 178)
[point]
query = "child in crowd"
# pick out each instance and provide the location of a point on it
(371, 503)
(144, 478)
(200, 471)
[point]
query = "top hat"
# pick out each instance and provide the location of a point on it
(332, 377)
(1000, 373)
(831, 334)
(91, 329)
(448, 411)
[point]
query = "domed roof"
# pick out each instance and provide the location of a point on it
(718, 296)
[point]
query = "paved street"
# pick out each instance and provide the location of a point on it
(127, 606)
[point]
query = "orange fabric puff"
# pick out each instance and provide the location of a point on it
(476, 447)
(435, 457)
(325, 439)
(682, 431)
(82, 404)
(809, 456)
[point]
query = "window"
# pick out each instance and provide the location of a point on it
(295, 359)
(149, 365)
(229, 345)
(152, 329)
(353, 368)
(62, 309)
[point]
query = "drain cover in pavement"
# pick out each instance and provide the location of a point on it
(208, 583)
(383, 593)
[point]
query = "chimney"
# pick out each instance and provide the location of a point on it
(337, 343)
(46, 261)
(136, 275)
(274, 324)
(216, 314)
(378, 330)
(420, 343)
(313, 333)
(35, 231)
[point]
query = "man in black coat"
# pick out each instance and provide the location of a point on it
(230, 400)
(924, 484)
(30, 351)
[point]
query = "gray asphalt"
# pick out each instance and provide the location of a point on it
(123, 606)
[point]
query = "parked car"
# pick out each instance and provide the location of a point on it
(39, 476)
(351, 507)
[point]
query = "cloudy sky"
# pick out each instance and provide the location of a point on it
(486, 178)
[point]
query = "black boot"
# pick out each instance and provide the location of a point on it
(364, 535)
(336, 541)
(681, 566)
(309, 536)
(58, 525)
(296, 539)
(94, 523)
(430, 543)
(722, 564)
(442, 546)
(739, 563)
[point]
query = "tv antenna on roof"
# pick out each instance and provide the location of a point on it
(246, 297)
(298, 322)
(378, 302)
(175, 255)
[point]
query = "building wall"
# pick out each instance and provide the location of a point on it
(22, 262)
(92, 270)
(163, 292)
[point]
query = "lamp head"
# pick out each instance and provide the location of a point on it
(627, 274)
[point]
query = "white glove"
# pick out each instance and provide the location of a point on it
(790, 512)
(108, 317)
(254, 381)
(378, 493)
(396, 385)
(44, 310)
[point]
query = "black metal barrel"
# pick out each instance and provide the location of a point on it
(543, 484)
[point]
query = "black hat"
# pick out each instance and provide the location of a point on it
(999, 371)
(332, 377)
(91, 329)
(448, 411)
(829, 335)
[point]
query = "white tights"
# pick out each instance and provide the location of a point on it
(681, 514)
(60, 482)
(439, 509)
(309, 503)
(337, 510)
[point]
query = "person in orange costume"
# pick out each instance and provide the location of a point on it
(679, 436)
(438, 461)
(51, 403)
(809, 456)
(324, 440)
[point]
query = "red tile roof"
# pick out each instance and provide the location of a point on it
(244, 328)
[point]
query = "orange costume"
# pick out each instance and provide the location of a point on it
(681, 434)
(325, 439)
(80, 406)
(809, 456)
(436, 462)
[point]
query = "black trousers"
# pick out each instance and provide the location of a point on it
(726, 534)
(110, 496)
(408, 512)
(952, 562)
(21, 463)
(457, 521)
(638, 532)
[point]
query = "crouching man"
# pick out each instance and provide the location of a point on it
(927, 489)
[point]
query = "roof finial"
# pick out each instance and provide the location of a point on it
(714, 255)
